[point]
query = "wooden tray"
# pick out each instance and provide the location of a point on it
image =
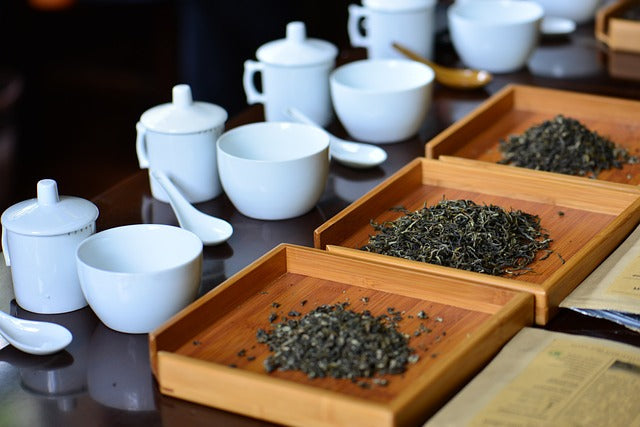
(617, 30)
(191, 354)
(516, 108)
(596, 217)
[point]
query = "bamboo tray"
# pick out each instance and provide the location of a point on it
(191, 355)
(615, 29)
(585, 218)
(516, 108)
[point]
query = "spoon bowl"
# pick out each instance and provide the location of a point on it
(34, 337)
(211, 230)
(353, 154)
(459, 78)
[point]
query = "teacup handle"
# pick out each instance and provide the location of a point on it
(357, 13)
(141, 146)
(5, 247)
(250, 69)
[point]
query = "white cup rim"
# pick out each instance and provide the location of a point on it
(337, 76)
(317, 143)
(528, 11)
(192, 247)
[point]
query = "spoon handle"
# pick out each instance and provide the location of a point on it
(412, 55)
(459, 78)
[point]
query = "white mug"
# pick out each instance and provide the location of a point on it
(180, 140)
(410, 23)
(294, 73)
(190, 161)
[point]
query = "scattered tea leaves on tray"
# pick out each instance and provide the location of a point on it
(564, 145)
(334, 341)
(465, 235)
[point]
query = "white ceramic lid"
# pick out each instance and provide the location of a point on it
(296, 49)
(183, 114)
(398, 5)
(49, 214)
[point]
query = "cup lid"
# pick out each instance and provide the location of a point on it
(49, 214)
(296, 49)
(183, 114)
(398, 5)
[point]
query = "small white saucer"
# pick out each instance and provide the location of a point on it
(557, 26)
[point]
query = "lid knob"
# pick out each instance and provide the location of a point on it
(47, 191)
(296, 32)
(182, 95)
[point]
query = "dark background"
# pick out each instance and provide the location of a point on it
(75, 79)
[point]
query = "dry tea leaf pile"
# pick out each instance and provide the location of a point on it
(563, 145)
(465, 235)
(333, 341)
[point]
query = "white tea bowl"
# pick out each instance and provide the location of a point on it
(273, 170)
(136, 277)
(495, 35)
(579, 11)
(382, 100)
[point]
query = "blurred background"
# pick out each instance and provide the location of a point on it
(75, 76)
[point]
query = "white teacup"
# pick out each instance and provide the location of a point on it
(408, 22)
(135, 277)
(579, 11)
(295, 73)
(274, 170)
(382, 100)
(495, 35)
(179, 138)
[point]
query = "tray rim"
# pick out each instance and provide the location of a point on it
(487, 339)
(557, 285)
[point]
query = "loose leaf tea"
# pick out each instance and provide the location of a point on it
(463, 234)
(333, 341)
(563, 145)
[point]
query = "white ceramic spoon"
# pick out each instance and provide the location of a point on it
(354, 154)
(211, 230)
(32, 336)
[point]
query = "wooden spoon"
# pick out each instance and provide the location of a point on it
(453, 77)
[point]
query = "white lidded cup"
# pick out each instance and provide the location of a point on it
(39, 241)
(179, 138)
(408, 22)
(294, 73)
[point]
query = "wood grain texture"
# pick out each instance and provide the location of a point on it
(516, 108)
(586, 219)
(612, 29)
(468, 323)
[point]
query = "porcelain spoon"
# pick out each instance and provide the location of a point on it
(354, 154)
(211, 230)
(34, 337)
(459, 78)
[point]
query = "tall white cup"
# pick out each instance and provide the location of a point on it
(295, 73)
(180, 139)
(408, 22)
